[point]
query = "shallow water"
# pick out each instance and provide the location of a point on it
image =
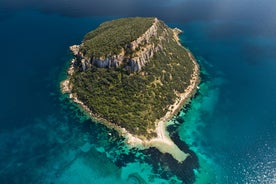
(229, 125)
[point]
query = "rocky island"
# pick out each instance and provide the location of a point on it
(133, 75)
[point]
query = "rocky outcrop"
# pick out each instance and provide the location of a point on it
(109, 61)
(134, 56)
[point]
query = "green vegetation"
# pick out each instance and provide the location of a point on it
(110, 37)
(134, 101)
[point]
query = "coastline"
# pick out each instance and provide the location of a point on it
(163, 141)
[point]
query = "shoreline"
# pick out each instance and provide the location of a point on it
(163, 141)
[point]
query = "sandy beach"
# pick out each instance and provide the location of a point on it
(163, 141)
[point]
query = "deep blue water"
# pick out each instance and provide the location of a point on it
(230, 125)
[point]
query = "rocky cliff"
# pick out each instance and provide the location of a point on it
(132, 56)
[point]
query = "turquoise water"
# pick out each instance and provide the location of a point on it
(229, 126)
(235, 110)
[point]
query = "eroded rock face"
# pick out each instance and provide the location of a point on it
(75, 49)
(142, 49)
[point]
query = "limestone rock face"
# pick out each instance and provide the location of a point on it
(142, 50)
(75, 49)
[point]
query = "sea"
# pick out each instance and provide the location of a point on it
(228, 127)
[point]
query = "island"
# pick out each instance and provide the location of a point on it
(133, 75)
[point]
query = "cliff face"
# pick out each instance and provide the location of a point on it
(133, 56)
